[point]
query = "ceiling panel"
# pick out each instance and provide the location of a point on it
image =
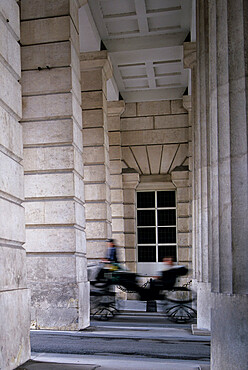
(158, 5)
(122, 27)
(145, 43)
(117, 7)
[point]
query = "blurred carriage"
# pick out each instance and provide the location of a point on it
(176, 302)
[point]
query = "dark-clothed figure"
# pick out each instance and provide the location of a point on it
(111, 252)
(170, 272)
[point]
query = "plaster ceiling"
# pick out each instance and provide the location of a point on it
(144, 39)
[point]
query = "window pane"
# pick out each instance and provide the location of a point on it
(167, 217)
(167, 251)
(146, 199)
(166, 199)
(146, 235)
(167, 235)
(146, 253)
(146, 218)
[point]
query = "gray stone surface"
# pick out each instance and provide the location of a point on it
(10, 92)
(38, 365)
(229, 331)
(14, 295)
(53, 30)
(15, 324)
(10, 10)
(204, 304)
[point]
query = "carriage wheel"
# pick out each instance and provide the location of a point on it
(180, 313)
(180, 295)
(103, 307)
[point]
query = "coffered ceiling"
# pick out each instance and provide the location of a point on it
(144, 39)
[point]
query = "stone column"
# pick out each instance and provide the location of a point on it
(14, 295)
(228, 36)
(182, 183)
(115, 109)
(96, 69)
(202, 124)
(53, 164)
(130, 183)
(189, 103)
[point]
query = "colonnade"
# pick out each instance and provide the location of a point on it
(220, 172)
(70, 163)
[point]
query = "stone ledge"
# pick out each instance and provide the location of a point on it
(197, 331)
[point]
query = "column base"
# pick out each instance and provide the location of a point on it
(204, 306)
(201, 332)
(84, 305)
(66, 307)
(229, 332)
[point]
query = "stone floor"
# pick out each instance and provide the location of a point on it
(35, 365)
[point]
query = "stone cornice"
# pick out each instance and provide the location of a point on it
(116, 108)
(187, 102)
(96, 60)
(130, 180)
(189, 54)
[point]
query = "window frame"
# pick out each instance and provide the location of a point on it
(156, 226)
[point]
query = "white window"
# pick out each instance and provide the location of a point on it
(156, 228)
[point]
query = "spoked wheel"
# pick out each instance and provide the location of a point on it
(180, 313)
(103, 307)
(177, 305)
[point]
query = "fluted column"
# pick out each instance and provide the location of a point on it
(230, 278)
(189, 103)
(203, 177)
(96, 69)
(115, 109)
(222, 91)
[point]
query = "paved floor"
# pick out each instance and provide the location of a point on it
(44, 365)
(137, 325)
(60, 362)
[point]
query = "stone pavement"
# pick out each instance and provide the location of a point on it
(77, 362)
(59, 361)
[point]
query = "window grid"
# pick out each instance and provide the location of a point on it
(156, 226)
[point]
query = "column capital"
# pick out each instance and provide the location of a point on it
(130, 179)
(116, 108)
(187, 102)
(93, 60)
(81, 3)
(189, 54)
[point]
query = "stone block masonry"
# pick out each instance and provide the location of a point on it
(115, 109)
(14, 295)
(96, 69)
(53, 165)
(155, 139)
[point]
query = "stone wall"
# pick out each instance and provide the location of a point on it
(96, 69)
(115, 108)
(53, 164)
(156, 141)
(14, 295)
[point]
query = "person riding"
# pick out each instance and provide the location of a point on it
(170, 273)
(166, 278)
(111, 255)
